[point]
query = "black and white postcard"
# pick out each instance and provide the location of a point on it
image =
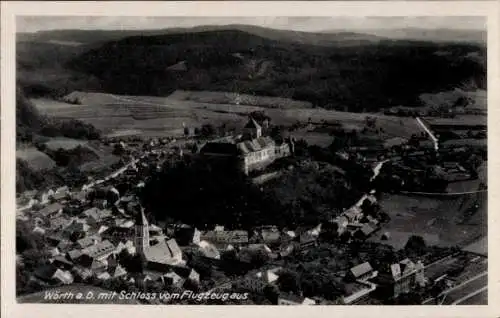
(241, 154)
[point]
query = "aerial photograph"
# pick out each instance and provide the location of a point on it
(251, 160)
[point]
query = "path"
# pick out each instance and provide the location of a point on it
(429, 133)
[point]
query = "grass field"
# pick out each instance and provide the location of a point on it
(64, 143)
(463, 120)
(35, 159)
(165, 115)
(444, 221)
(244, 99)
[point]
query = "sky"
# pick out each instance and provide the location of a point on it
(38, 23)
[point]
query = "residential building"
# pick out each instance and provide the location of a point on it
(257, 281)
(209, 250)
(99, 250)
(51, 211)
(362, 271)
(52, 275)
(402, 278)
(225, 237)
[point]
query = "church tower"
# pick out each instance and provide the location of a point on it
(141, 233)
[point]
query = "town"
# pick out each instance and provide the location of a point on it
(102, 235)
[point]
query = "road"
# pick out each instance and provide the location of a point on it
(481, 298)
(429, 133)
(465, 291)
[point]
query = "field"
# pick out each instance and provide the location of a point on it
(443, 221)
(64, 143)
(462, 120)
(233, 98)
(160, 116)
(35, 159)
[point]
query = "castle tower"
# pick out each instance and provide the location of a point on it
(141, 233)
(252, 129)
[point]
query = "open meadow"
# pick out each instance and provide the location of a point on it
(35, 159)
(166, 115)
(443, 221)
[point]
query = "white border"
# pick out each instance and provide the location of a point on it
(238, 8)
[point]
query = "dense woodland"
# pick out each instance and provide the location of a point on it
(340, 75)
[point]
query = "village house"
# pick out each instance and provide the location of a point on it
(362, 271)
(402, 278)
(51, 275)
(353, 214)
(257, 281)
(225, 237)
(62, 262)
(171, 279)
(88, 241)
(51, 211)
(99, 250)
(307, 240)
(364, 231)
(95, 216)
(76, 228)
(209, 250)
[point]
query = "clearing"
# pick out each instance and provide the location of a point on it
(35, 159)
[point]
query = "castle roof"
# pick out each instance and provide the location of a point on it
(252, 124)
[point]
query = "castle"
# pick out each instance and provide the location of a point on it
(251, 150)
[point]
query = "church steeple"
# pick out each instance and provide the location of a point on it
(141, 232)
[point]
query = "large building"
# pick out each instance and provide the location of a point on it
(402, 278)
(249, 152)
(158, 254)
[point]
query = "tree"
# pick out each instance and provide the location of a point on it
(207, 130)
(272, 293)
(415, 244)
(288, 281)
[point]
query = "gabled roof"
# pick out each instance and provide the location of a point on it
(99, 249)
(209, 250)
(164, 252)
(254, 145)
(49, 209)
(361, 269)
(367, 229)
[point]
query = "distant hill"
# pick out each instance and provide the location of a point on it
(429, 35)
(345, 71)
(86, 37)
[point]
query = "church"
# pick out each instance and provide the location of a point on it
(158, 254)
(250, 151)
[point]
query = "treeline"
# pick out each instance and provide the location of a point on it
(30, 179)
(355, 78)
